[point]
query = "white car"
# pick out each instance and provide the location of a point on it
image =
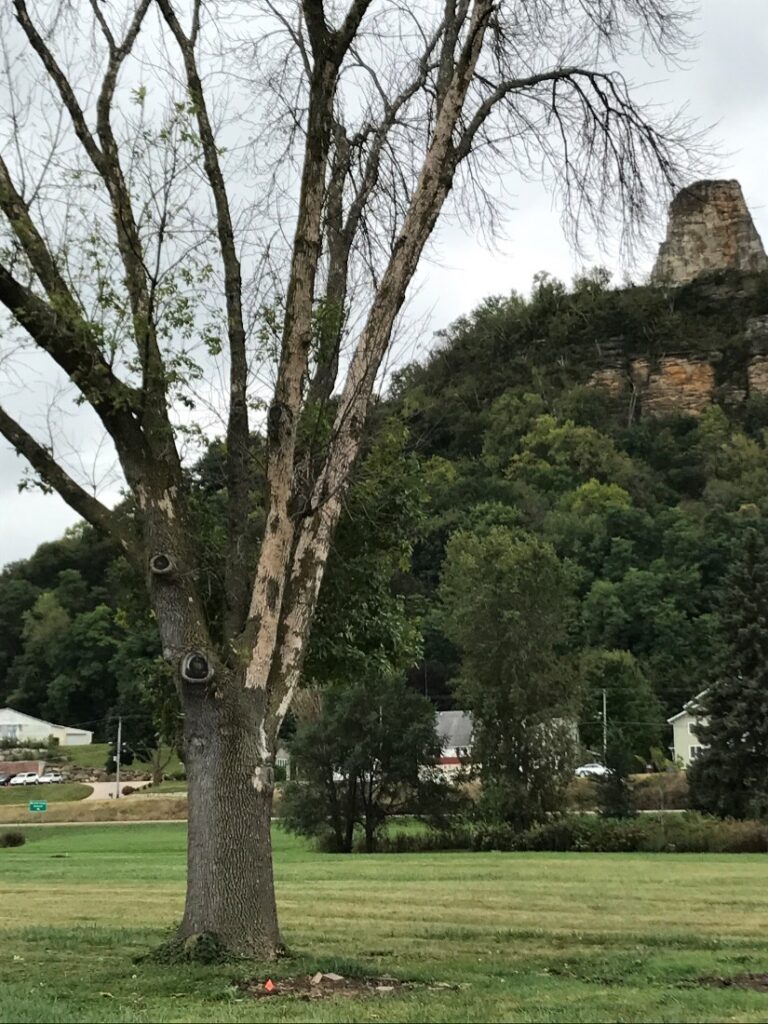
(593, 770)
(25, 779)
(51, 777)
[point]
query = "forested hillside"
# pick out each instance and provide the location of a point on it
(514, 431)
(511, 437)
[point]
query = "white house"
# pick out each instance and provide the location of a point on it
(455, 731)
(686, 745)
(14, 725)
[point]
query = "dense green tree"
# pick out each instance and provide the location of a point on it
(362, 751)
(363, 625)
(635, 721)
(83, 687)
(730, 778)
(46, 627)
(17, 596)
(614, 793)
(556, 456)
(506, 604)
(148, 706)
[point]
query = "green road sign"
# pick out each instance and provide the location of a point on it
(38, 805)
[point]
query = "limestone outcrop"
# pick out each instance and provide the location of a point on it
(709, 229)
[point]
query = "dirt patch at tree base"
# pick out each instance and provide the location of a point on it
(324, 986)
(750, 982)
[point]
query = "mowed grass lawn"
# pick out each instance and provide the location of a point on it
(51, 792)
(94, 755)
(529, 937)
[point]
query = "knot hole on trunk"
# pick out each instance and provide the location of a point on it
(196, 667)
(161, 564)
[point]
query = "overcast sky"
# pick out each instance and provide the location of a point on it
(725, 83)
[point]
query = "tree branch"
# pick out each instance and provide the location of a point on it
(60, 80)
(464, 145)
(33, 244)
(317, 29)
(239, 475)
(128, 239)
(72, 346)
(106, 160)
(284, 411)
(351, 25)
(314, 537)
(90, 508)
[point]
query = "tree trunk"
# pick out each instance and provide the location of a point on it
(370, 836)
(351, 818)
(157, 767)
(230, 887)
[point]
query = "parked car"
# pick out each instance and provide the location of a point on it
(5, 778)
(25, 779)
(592, 770)
(51, 776)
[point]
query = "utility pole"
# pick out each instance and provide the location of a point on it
(605, 726)
(119, 750)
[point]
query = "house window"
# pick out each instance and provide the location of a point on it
(693, 728)
(695, 752)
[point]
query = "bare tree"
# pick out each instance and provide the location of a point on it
(143, 235)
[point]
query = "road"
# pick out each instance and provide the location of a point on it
(107, 790)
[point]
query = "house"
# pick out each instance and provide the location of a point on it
(283, 761)
(454, 729)
(686, 745)
(14, 725)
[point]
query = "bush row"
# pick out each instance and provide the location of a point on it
(647, 833)
(655, 792)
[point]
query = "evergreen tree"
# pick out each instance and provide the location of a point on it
(730, 778)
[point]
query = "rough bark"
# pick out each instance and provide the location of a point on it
(230, 888)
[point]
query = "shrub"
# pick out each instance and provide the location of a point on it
(14, 838)
(664, 833)
(128, 790)
(672, 833)
(661, 791)
(459, 838)
(582, 794)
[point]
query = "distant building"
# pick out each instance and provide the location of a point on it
(283, 760)
(686, 745)
(455, 731)
(14, 725)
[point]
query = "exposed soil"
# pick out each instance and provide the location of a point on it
(752, 982)
(322, 986)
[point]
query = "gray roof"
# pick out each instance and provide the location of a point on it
(691, 708)
(454, 728)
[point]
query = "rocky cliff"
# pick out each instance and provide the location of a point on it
(714, 259)
(709, 229)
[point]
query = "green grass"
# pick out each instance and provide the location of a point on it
(52, 792)
(532, 937)
(94, 755)
(91, 755)
(169, 787)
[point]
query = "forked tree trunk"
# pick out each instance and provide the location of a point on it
(230, 887)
